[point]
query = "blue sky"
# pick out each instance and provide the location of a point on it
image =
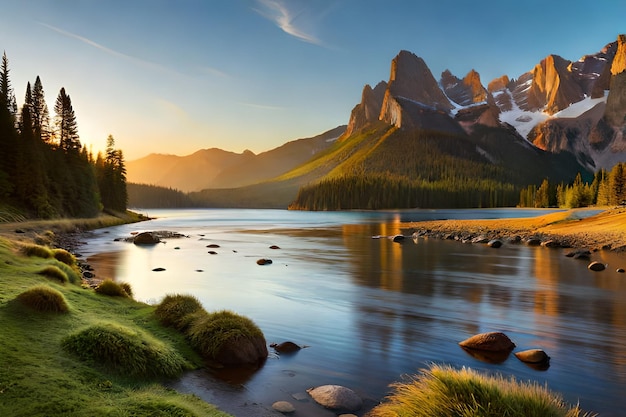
(175, 76)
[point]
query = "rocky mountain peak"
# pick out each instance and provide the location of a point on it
(472, 81)
(553, 87)
(410, 78)
(463, 92)
(498, 84)
(619, 61)
(368, 110)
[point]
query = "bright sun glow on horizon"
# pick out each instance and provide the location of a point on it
(253, 74)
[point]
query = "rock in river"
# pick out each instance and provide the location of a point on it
(492, 341)
(336, 397)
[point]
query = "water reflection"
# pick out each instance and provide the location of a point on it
(374, 309)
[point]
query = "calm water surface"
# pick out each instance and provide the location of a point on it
(372, 310)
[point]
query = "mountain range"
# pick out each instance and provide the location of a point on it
(558, 119)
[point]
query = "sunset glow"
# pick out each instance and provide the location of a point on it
(253, 74)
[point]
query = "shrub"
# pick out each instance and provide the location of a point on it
(44, 298)
(176, 310)
(125, 351)
(54, 272)
(39, 251)
(443, 391)
(111, 288)
(64, 256)
(209, 333)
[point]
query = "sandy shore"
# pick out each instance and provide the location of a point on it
(577, 228)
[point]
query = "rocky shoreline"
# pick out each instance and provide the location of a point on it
(580, 229)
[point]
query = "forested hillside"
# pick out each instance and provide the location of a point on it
(386, 167)
(45, 171)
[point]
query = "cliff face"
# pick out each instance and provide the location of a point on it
(553, 86)
(368, 109)
(616, 101)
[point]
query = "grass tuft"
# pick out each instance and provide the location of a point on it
(111, 288)
(51, 271)
(30, 249)
(72, 272)
(125, 351)
(209, 332)
(128, 289)
(44, 299)
(177, 311)
(64, 256)
(443, 391)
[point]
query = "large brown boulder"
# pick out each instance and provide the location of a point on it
(146, 238)
(492, 341)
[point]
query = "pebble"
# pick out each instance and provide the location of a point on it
(283, 407)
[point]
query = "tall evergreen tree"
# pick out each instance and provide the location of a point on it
(111, 174)
(542, 197)
(8, 160)
(65, 123)
(617, 184)
(40, 114)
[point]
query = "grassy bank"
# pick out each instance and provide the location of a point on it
(42, 372)
(17, 227)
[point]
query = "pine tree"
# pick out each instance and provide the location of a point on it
(65, 123)
(603, 195)
(111, 174)
(542, 197)
(40, 114)
(617, 184)
(8, 158)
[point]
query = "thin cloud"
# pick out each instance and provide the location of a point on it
(261, 106)
(104, 48)
(277, 12)
(215, 72)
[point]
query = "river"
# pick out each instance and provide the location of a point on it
(372, 310)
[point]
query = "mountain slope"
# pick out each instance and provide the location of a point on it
(447, 142)
(216, 168)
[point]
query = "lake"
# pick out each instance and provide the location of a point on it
(372, 310)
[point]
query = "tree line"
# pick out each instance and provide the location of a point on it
(608, 188)
(384, 190)
(45, 171)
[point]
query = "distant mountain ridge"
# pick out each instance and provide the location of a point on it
(556, 120)
(216, 168)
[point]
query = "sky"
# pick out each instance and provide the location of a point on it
(177, 76)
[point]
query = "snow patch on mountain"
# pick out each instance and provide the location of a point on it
(523, 121)
(577, 109)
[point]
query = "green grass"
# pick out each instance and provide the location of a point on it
(176, 311)
(442, 391)
(209, 332)
(125, 351)
(54, 272)
(44, 299)
(112, 289)
(38, 377)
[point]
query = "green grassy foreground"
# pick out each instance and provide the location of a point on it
(42, 372)
(442, 391)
